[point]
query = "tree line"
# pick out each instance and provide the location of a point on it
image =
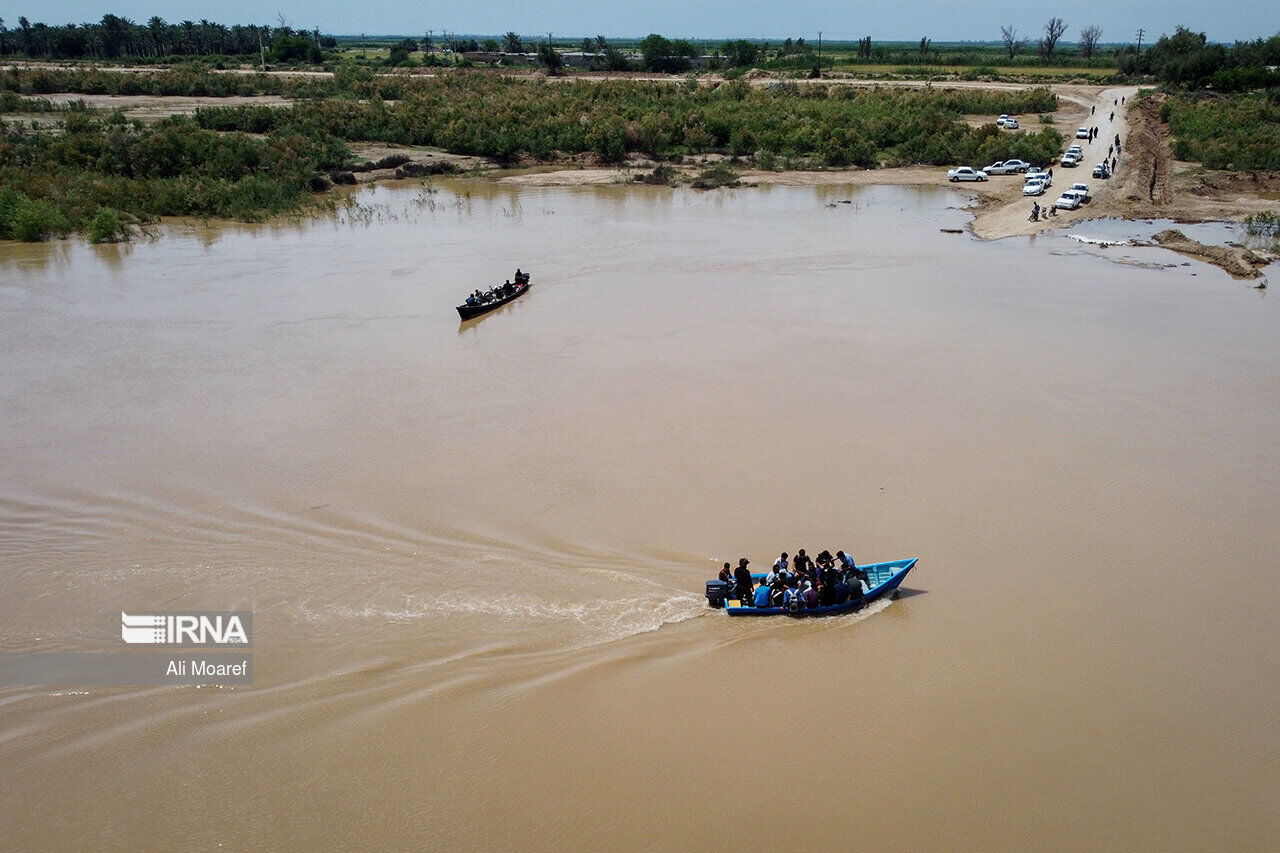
(1187, 59)
(116, 37)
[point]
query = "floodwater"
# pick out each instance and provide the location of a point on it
(475, 552)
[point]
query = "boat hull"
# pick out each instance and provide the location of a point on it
(884, 578)
(466, 312)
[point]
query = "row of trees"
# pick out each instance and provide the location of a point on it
(1187, 59)
(115, 37)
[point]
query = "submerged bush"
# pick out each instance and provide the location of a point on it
(21, 218)
(108, 227)
(1265, 224)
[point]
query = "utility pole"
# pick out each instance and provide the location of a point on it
(819, 48)
(1140, 32)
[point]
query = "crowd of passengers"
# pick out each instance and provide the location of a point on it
(500, 292)
(800, 583)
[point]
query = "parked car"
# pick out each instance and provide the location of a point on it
(1102, 170)
(1082, 133)
(1004, 117)
(1040, 175)
(1007, 167)
(1011, 124)
(1069, 200)
(1076, 150)
(1083, 189)
(1035, 187)
(966, 173)
(1070, 161)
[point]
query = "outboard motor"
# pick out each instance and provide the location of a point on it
(717, 592)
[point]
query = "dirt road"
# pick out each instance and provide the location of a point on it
(1005, 211)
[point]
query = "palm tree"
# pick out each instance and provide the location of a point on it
(511, 43)
(157, 27)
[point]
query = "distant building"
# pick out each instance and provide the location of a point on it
(572, 59)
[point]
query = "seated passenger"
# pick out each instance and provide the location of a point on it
(842, 592)
(762, 596)
(826, 595)
(828, 576)
(810, 595)
(791, 599)
(802, 563)
(471, 299)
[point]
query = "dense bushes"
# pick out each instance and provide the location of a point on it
(505, 118)
(22, 218)
(80, 175)
(254, 161)
(1235, 132)
(187, 80)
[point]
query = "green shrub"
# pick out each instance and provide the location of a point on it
(33, 221)
(1228, 132)
(1265, 224)
(107, 226)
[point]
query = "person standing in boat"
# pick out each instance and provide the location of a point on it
(850, 568)
(743, 583)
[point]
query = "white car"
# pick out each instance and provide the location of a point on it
(1083, 189)
(1007, 167)
(1082, 133)
(1035, 187)
(1102, 170)
(1069, 200)
(1004, 117)
(1076, 150)
(966, 173)
(1041, 176)
(1070, 160)
(1011, 124)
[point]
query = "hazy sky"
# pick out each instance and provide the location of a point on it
(941, 20)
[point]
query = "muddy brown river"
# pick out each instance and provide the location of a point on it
(475, 552)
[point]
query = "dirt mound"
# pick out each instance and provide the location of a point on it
(1146, 175)
(1239, 262)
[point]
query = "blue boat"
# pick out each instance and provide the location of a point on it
(881, 578)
